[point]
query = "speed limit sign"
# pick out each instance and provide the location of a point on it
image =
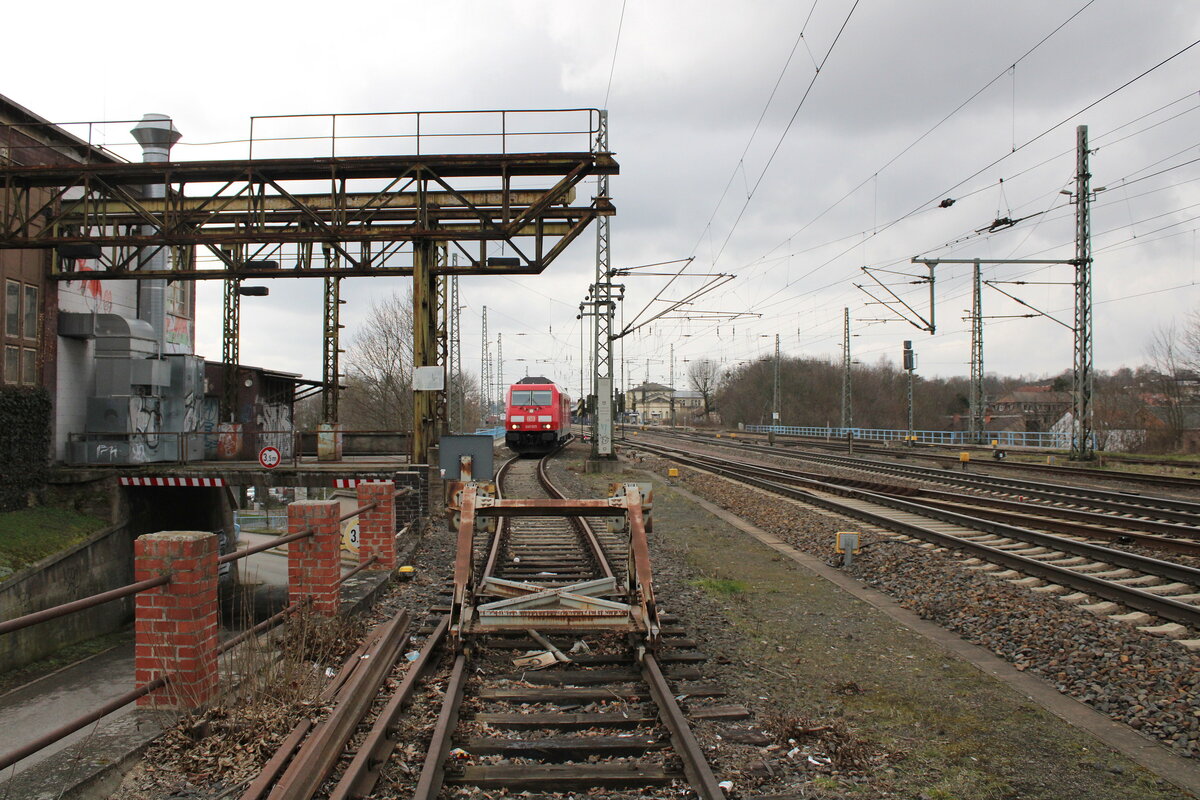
(269, 457)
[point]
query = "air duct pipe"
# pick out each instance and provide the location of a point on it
(156, 133)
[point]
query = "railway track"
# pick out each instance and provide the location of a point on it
(1079, 570)
(555, 670)
(922, 452)
(1145, 508)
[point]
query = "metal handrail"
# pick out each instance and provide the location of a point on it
(82, 604)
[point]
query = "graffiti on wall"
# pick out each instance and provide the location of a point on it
(95, 297)
(276, 427)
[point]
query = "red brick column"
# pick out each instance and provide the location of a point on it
(314, 562)
(377, 527)
(175, 625)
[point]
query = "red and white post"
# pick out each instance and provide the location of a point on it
(175, 625)
(377, 526)
(314, 562)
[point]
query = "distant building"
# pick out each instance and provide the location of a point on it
(653, 403)
(1036, 407)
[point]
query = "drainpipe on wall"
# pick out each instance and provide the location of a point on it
(156, 133)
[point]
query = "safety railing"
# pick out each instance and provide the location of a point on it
(174, 568)
(1049, 440)
(424, 132)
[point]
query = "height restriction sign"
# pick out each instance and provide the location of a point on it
(269, 457)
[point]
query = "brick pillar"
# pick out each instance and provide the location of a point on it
(314, 562)
(176, 625)
(377, 527)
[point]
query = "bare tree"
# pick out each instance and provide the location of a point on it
(1168, 359)
(704, 375)
(378, 368)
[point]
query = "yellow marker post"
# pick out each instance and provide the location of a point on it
(964, 458)
(672, 472)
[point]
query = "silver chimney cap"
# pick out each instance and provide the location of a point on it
(157, 132)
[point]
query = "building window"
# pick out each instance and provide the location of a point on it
(12, 308)
(31, 312)
(12, 364)
(29, 366)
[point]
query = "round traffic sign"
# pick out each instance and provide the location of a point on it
(269, 457)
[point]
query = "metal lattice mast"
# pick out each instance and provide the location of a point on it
(775, 396)
(1081, 424)
(602, 359)
(847, 402)
(330, 351)
(910, 364)
(977, 398)
(500, 370)
(485, 374)
(441, 405)
(671, 383)
(455, 389)
(230, 348)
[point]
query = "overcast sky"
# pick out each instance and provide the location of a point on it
(730, 151)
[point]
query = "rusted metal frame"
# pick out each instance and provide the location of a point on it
(582, 528)
(570, 236)
(321, 749)
(82, 604)
(582, 592)
(368, 205)
(535, 507)
(463, 562)
(695, 766)
(333, 242)
(26, 222)
(484, 219)
(564, 183)
(134, 202)
(1134, 598)
(362, 774)
(639, 564)
(569, 224)
(430, 782)
(47, 739)
(481, 165)
(270, 771)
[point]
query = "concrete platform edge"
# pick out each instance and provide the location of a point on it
(1148, 753)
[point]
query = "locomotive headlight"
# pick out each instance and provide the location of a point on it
(547, 427)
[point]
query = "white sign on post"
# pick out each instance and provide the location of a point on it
(429, 379)
(604, 420)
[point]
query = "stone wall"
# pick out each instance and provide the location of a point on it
(102, 562)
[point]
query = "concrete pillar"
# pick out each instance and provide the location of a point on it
(377, 527)
(314, 562)
(175, 625)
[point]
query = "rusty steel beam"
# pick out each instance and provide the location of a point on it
(123, 212)
(451, 165)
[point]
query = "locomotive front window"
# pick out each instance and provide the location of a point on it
(528, 398)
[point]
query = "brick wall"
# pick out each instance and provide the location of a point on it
(175, 625)
(314, 562)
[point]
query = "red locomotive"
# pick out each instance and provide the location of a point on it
(537, 416)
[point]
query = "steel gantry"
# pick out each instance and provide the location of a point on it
(372, 215)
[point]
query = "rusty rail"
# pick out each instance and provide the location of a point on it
(82, 604)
